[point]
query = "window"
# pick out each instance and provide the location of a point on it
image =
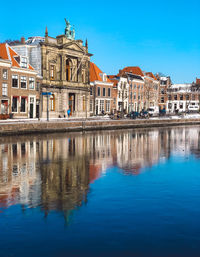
(23, 82)
(15, 81)
(91, 105)
(14, 104)
(181, 106)
(135, 86)
(104, 91)
(69, 70)
(181, 97)
(24, 62)
(52, 103)
(91, 91)
(101, 105)
(83, 76)
(108, 91)
(162, 99)
(187, 97)
(52, 72)
(5, 74)
(193, 97)
(175, 97)
(23, 104)
(162, 91)
(134, 95)
(4, 89)
(38, 86)
(99, 91)
(163, 82)
(169, 106)
(169, 97)
(31, 83)
(107, 106)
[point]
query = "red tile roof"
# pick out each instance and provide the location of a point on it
(198, 81)
(7, 53)
(134, 70)
(95, 73)
(150, 74)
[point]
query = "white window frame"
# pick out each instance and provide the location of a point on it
(5, 71)
(4, 89)
(101, 107)
(15, 77)
(26, 62)
(107, 105)
(31, 79)
(23, 79)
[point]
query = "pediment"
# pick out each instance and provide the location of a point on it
(73, 46)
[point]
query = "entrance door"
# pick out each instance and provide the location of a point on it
(71, 102)
(31, 107)
(37, 111)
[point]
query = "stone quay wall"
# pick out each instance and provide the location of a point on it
(39, 127)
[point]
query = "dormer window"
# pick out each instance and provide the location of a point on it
(103, 76)
(24, 62)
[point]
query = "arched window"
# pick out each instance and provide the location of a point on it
(52, 103)
(68, 70)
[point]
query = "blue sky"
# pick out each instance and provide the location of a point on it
(158, 36)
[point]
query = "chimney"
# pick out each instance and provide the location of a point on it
(23, 40)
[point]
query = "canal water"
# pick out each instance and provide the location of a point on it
(113, 193)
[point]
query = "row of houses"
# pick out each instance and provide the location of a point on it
(135, 90)
(47, 76)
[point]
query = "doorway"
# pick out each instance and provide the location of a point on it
(71, 102)
(31, 107)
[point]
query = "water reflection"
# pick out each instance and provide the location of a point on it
(55, 171)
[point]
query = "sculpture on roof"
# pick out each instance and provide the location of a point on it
(70, 34)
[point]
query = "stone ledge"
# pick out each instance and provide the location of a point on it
(70, 126)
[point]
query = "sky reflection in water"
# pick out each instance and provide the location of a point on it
(118, 193)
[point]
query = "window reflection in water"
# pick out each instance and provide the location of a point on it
(55, 171)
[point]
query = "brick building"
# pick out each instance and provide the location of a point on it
(135, 79)
(100, 91)
(165, 83)
(19, 93)
(120, 93)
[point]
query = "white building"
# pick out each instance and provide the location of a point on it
(182, 98)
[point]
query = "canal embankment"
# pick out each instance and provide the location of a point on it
(55, 126)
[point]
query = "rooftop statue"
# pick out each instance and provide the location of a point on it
(70, 34)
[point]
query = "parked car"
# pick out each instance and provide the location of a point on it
(134, 115)
(144, 114)
(153, 111)
(193, 108)
(162, 112)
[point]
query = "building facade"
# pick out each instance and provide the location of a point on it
(63, 64)
(182, 98)
(165, 83)
(19, 93)
(100, 91)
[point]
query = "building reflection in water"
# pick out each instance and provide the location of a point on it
(54, 172)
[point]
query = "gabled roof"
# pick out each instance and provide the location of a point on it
(95, 73)
(134, 70)
(7, 53)
(150, 74)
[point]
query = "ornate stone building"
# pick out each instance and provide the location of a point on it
(63, 64)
